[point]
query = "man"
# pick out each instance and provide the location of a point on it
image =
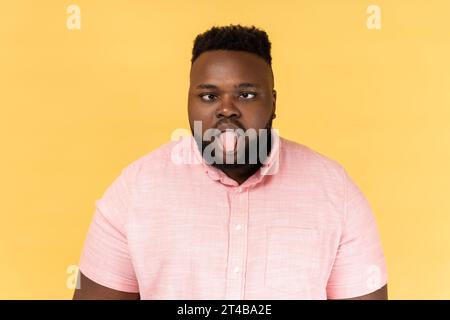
(200, 218)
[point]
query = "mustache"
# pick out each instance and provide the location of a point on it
(234, 123)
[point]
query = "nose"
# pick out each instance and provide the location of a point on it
(227, 109)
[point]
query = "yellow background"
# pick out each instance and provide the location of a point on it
(79, 105)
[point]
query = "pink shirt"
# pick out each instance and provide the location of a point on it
(172, 227)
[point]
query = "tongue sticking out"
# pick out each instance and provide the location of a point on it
(228, 141)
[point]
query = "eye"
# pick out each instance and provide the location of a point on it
(248, 95)
(208, 97)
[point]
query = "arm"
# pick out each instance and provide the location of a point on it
(90, 290)
(105, 268)
(380, 294)
(359, 270)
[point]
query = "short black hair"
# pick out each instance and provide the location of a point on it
(233, 37)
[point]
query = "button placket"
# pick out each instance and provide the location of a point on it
(237, 251)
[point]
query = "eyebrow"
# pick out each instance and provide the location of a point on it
(240, 86)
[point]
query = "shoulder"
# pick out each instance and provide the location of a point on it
(152, 160)
(304, 159)
(149, 166)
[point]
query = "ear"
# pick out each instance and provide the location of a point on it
(274, 104)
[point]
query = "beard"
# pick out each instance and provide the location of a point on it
(244, 157)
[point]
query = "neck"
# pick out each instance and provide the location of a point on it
(241, 174)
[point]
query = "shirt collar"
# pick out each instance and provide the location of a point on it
(192, 154)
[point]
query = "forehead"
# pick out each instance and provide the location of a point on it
(221, 66)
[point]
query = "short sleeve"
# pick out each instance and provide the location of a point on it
(359, 267)
(105, 258)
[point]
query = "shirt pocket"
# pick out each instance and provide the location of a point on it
(292, 259)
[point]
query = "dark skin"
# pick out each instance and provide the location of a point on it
(90, 290)
(232, 85)
(223, 84)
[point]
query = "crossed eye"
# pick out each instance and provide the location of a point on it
(210, 97)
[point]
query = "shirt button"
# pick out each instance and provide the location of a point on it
(238, 227)
(237, 270)
(239, 190)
